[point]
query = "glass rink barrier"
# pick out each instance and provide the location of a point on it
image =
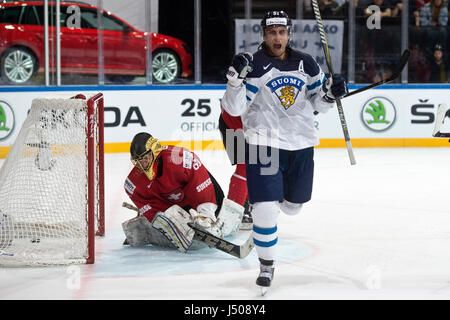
(95, 42)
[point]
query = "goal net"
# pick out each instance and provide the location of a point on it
(51, 184)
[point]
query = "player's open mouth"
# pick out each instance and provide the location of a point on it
(277, 46)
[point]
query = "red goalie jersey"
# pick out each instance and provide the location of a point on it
(180, 178)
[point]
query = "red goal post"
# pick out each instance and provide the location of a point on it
(96, 154)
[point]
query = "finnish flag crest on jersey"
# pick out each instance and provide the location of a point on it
(286, 88)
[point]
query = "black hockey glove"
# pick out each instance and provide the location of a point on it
(334, 88)
(241, 65)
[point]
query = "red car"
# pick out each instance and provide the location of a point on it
(124, 47)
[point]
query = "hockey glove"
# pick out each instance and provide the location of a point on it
(334, 88)
(241, 65)
(207, 221)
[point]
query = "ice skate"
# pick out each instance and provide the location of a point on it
(265, 277)
(247, 220)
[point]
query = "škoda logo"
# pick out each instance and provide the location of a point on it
(7, 120)
(378, 114)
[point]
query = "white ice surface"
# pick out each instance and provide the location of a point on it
(376, 230)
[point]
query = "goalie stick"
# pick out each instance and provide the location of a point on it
(238, 251)
(402, 63)
(326, 52)
(440, 117)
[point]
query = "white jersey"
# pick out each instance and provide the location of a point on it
(278, 102)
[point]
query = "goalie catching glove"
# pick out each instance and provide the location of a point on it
(241, 65)
(334, 88)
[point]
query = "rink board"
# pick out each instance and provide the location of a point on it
(187, 115)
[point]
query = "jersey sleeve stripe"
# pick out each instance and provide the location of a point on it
(314, 85)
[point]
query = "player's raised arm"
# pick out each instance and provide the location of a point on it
(235, 100)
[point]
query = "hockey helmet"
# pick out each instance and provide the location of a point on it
(275, 18)
(142, 144)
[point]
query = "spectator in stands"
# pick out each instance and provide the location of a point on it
(434, 14)
(384, 5)
(421, 3)
(413, 11)
(341, 12)
(327, 8)
(439, 68)
(378, 55)
(433, 18)
(307, 10)
(413, 20)
(418, 65)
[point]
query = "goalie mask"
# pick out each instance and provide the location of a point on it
(275, 18)
(144, 149)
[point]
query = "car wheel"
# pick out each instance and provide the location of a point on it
(166, 66)
(18, 65)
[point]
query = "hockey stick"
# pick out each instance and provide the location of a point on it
(326, 52)
(239, 251)
(402, 63)
(440, 117)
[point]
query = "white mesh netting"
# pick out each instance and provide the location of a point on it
(43, 187)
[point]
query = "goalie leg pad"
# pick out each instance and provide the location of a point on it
(139, 232)
(173, 224)
(231, 216)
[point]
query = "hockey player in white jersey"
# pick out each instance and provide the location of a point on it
(276, 91)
